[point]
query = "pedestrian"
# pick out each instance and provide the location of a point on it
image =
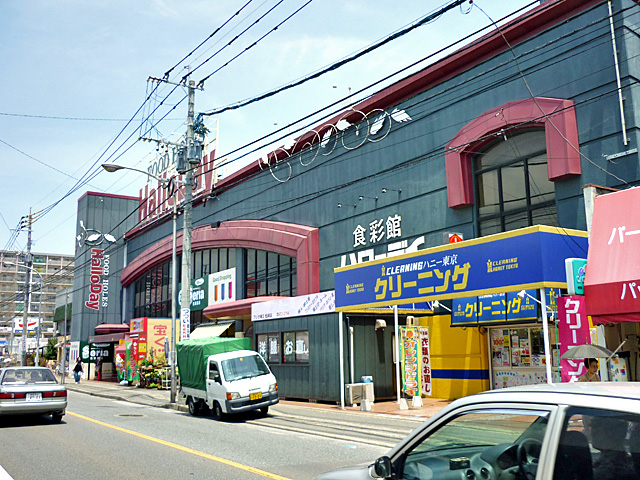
(99, 368)
(77, 370)
(592, 371)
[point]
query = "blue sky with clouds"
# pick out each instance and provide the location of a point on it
(87, 64)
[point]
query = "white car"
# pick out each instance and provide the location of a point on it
(31, 390)
(582, 431)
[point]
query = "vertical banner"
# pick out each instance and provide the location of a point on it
(426, 360)
(573, 330)
(410, 353)
(185, 323)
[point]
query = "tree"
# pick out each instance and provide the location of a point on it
(50, 350)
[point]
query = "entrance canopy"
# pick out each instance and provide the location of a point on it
(612, 279)
(213, 330)
(528, 258)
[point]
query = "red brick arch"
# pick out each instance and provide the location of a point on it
(298, 241)
(556, 116)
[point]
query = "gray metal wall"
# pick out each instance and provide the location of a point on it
(373, 353)
(108, 215)
(319, 379)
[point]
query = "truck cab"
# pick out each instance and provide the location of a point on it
(237, 381)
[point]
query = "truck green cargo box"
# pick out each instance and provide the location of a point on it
(193, 355)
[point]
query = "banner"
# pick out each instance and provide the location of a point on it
(314, 304)
(573, 330)
(185, 323)
(426, 360)
(410, 347)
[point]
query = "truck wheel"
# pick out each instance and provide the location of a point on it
(264, 411)
(217, 411)
(194, 408)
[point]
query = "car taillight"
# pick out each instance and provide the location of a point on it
(12, 395)
(55, 394)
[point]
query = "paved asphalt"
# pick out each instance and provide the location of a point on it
(162, 398)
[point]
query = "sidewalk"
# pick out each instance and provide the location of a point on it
(162, 398)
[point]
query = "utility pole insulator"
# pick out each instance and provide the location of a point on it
(181, 160)
(195, 153)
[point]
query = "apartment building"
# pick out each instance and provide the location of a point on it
(56, 272)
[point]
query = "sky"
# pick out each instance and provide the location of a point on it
(73, 84)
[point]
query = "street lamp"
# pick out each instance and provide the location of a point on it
(545, 326)
(165, 182)
(523, 293)
(25, 321)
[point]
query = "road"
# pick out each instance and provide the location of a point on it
(102, 438)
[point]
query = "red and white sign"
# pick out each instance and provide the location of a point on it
(99, 283)
(31, 324)
(612, 279)
(155, 200)
(573, 330)
(455, 237)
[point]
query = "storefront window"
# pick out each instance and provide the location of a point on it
(269, 347)
(152, 292)
(518, 358)
(296, 347)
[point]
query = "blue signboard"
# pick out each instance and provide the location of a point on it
(497, 308)
(522, 308)
(492, 308)
(528, 258)
(551, 297)
(464, 311)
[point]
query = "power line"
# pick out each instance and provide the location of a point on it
(39, 161)
(168, 72)
(201, 82)
(333, 66)
(53, 117)
(233, 40)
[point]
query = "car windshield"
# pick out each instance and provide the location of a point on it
(482, 429)
(22, 376)
(244, 367)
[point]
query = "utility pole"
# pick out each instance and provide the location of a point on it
(25, 312)
(189, 156)
(192, 160)
(64, 341)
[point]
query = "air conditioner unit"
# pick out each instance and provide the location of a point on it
(357, 392)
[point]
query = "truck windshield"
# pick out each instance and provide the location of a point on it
(244, 367)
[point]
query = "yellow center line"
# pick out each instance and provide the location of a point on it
(230, 463)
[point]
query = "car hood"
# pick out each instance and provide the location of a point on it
(358, 472)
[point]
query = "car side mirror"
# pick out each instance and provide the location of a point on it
(382, 467)
(216, 378)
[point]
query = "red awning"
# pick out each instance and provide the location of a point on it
(612, 280)
(237, 307)
(105, 328)
(108, 337)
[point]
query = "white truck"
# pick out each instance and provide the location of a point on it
(223, 376)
